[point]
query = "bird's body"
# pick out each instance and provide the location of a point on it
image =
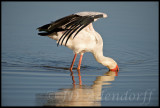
(77, 33)
(84, 41)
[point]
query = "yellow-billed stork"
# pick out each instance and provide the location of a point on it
(77, 33)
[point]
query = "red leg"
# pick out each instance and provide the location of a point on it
(80, 60)
(79, 74)
(73, 78)
(73, 61)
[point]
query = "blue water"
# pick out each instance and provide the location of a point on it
(35, 72)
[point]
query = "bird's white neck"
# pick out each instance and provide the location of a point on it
(106, 61)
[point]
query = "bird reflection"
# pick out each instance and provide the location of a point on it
(78, 94)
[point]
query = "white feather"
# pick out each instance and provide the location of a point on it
(91, 13)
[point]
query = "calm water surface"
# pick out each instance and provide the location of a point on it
(35, 72)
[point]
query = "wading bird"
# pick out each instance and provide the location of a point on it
(77, 33)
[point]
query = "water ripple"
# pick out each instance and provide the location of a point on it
(137, 59)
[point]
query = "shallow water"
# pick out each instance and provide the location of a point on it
(35, 72)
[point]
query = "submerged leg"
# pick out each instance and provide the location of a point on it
(80, 60)
(73, 61)
(80, 80)
(73, 78)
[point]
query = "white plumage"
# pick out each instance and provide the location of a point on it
(77, 33)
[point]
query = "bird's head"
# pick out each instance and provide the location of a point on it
(110, 63)
(115, 69)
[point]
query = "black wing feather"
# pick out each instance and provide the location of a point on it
(89, 21)
(52, 27)
(70, 32)
(66, 33)
(50, 32)
(73, 27)
(62, 21)
(82, 23)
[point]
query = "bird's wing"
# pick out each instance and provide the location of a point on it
(70, 24)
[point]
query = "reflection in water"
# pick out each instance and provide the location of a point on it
(78, 95)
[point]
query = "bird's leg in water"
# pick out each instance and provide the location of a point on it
(79, 74)
(80, 60)
(73, 61)
(73, 78)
